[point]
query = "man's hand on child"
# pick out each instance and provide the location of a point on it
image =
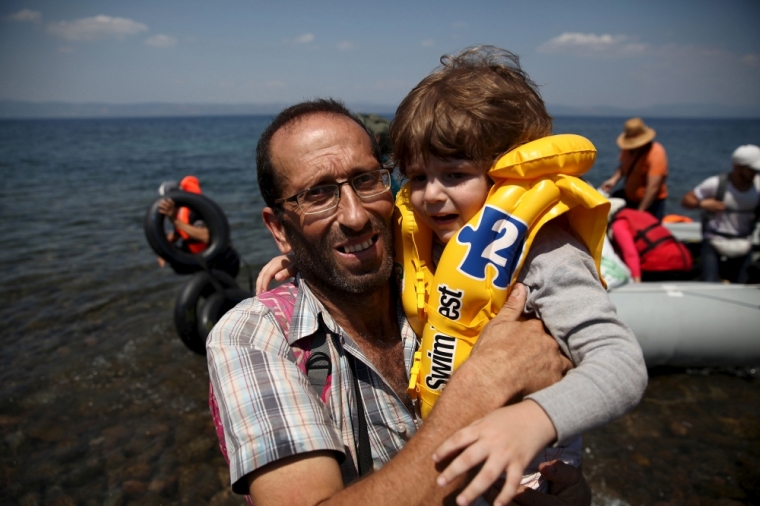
(518, 341)
(279, 268)
(506, 440)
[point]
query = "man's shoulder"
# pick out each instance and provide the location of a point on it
(251, 323)
(707, 188)
(657, 154)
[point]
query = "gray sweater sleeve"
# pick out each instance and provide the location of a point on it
(564, 291)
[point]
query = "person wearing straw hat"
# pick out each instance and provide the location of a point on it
(731, 206)
(644, 165)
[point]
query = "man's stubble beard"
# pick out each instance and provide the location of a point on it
(317, 264)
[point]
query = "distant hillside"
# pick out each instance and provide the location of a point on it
(660, 111)
(12, 109)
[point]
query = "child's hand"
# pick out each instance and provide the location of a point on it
(507, 439)
(279, 268)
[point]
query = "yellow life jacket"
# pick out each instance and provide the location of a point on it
(533, 184)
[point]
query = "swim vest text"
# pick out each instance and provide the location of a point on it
(442, 361)
(450, 302)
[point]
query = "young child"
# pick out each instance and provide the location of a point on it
(447, 133)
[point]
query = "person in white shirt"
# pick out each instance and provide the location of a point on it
(730, 203)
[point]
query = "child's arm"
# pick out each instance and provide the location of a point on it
(279, 268)
(504, 440)
(565, 293)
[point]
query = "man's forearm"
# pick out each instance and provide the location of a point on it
(690, 200)
(198, 233)
(510, 360)
(410, 477)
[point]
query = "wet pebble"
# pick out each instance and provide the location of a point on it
(134, 487)
(30, 499)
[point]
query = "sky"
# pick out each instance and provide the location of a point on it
(582, 53)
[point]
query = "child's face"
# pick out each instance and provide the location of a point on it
(447, 193)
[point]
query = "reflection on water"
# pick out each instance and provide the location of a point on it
(119, 416)
(132, 427)
(694, 439)
(100, 403)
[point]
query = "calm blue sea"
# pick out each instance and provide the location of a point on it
(93, 380)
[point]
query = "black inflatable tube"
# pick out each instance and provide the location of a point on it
(215, 306)
(211, 214)
(201, 285)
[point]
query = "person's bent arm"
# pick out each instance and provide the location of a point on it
(195, 232)
(168, 208)
(650, 192)
(494, 374)
(690, 201)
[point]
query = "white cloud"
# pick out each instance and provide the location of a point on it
(305, 38)
(96, 27)
(346, 45)
(26, 15)
(161, 40)
(589, 44)
(427, 43)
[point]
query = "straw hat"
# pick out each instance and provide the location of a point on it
(636, 134)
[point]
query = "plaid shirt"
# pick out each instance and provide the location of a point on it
(269, 409)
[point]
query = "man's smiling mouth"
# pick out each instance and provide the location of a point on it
(358, 247)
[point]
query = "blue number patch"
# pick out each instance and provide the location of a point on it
(498, 240)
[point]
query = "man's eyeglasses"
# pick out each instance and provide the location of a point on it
(326, 197)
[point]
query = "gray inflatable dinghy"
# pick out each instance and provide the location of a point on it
(693, 324)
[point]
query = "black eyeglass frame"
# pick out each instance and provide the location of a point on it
(384, 171)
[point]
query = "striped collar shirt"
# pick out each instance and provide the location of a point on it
(269, 409)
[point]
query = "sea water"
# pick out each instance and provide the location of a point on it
(100, 403)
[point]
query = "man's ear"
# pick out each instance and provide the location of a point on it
(276, 229)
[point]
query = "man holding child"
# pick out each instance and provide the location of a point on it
(329, 206)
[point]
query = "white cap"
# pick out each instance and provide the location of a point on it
(168, 186)
(747, 156)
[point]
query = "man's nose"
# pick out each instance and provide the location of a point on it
(351, 210)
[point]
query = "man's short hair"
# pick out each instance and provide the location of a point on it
(269, 182)
(476, 105)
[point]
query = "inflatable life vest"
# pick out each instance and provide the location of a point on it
(194, 246)
(189, 184)
(658, 249)
(533, 184)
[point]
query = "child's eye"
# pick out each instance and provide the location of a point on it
(457, 175)
(417, 178)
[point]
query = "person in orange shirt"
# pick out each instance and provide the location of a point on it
(644, 165)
